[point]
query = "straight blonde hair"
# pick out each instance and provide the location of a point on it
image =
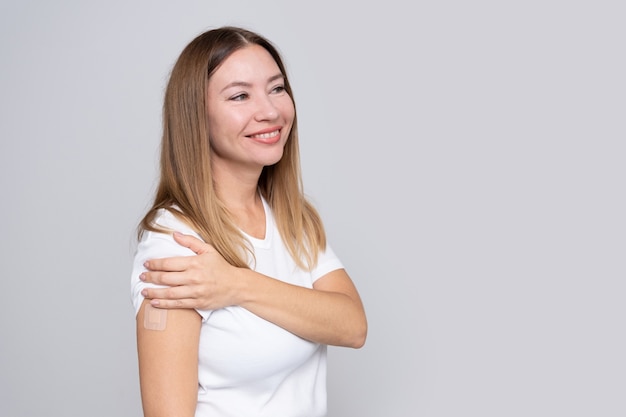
(186, 185)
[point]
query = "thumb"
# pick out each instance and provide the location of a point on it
(199, 247)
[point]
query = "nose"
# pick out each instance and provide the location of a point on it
(266, 109)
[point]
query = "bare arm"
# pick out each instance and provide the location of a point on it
(168, 363)
(331, 313)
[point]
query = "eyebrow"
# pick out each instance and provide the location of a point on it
(246, 84)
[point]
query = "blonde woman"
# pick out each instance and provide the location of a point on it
(236, 290)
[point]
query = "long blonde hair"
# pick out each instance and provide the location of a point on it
(186, 182)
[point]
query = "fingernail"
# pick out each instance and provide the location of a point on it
(144, 293)
(146, 264)
(154, 302)
(142, 277)
(178, 234)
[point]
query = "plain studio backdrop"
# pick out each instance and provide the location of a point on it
(468, 159)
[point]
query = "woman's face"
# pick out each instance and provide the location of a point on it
(250, 113)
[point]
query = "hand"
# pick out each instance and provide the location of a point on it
(204, 281)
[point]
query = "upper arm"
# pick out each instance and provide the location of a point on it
(338, 281)
(168, 363)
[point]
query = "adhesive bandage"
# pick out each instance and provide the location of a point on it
(154, 318)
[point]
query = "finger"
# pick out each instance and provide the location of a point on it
(168, 293)
(173, 264)
(171, 279)
(184, 303)
(192, 242)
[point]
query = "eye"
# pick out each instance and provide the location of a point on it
(239, 97)
(278, 89)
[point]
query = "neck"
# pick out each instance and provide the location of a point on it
(237, 190)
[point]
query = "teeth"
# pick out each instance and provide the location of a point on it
(266, 135)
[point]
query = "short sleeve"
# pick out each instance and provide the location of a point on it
(154, 245)
(327, 262)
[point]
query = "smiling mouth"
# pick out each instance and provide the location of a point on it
(267, 135)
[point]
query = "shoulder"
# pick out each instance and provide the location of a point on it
(170, 222)
(167, 222)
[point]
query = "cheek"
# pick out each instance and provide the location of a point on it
(288, 110)
(223, 125)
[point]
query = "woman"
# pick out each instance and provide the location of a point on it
(237, 293)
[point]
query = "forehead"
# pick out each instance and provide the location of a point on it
(248, 64)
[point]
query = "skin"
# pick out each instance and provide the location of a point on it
(168, 364)
(250, 116)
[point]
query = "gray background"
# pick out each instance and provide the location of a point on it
(467, 157)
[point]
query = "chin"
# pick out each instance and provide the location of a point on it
(269, 161)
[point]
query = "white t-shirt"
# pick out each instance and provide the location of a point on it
(247, 366)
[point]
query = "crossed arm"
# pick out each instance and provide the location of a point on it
(330, 313)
